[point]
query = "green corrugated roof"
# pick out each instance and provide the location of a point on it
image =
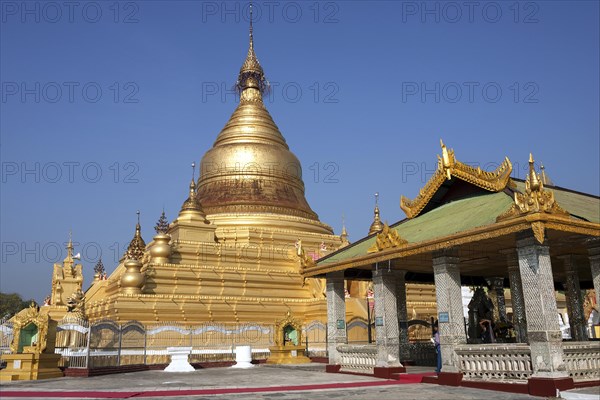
(453, 217)
(577, 204)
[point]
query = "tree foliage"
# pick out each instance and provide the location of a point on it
(12, 303)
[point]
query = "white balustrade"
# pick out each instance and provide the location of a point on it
(495, 362)
(358, 358)
(582, 360)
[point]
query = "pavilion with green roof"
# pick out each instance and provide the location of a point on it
(466, 226)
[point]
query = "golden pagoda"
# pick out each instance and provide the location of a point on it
(236, 250)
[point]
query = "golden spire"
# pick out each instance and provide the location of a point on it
(251, 74)
(69, 257)
(136, 248)
(377, 225)
(250, 169)
(192, 203)
(344, 235)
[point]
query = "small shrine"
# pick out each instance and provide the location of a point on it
(32, 348)
(288, 347)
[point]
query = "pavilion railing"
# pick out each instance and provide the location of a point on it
(497, 362)
(357, 358)
(582, 360)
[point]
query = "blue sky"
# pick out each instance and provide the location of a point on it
(105, 104)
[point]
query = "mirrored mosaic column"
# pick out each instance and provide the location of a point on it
(574, 299)
(386, 318)
(336, 314)
(402, 314)
(543, 330)
(516, 296)
(449, 305)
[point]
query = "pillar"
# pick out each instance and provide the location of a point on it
(577, 320)
(386, 318)
(402, 314)
(594, 256)
(336, 314)
(497, 297)
(516, 295)
(543, 330)
(450, 309)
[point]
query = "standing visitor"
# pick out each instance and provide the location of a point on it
(436, 342)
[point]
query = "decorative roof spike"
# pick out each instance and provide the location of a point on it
(251, 74)
(192, 203)
(162, 226)
(545, 178)
(344, 235)
(70, 247)
(447, 160)
(377, 225)
(533, 180)
(136, 248)
(99, 268)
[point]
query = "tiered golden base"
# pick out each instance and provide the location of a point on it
(29, 367)
(287, 355)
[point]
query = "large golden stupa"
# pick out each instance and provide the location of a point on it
(235, 251)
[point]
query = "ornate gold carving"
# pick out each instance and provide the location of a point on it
(534, 200)
(280, 334)
(448, 167)
(306, 261)
(76, 305)
(538, 231)
(386, 239)
(23, 319)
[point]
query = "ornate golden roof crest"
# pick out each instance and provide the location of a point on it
(535, 200)
(449, 167)
(386, 239)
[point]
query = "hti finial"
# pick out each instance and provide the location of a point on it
(376, 198)
(251, 28)
(193, 171)
(138, 216)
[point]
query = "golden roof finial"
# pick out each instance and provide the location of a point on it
(545, 178)
(192, 203)
(251, 74)
(532, 178)
(376, 226)
(136, 247)
(344, 234)
(251, 29)
(70, 247)
(446, 160)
